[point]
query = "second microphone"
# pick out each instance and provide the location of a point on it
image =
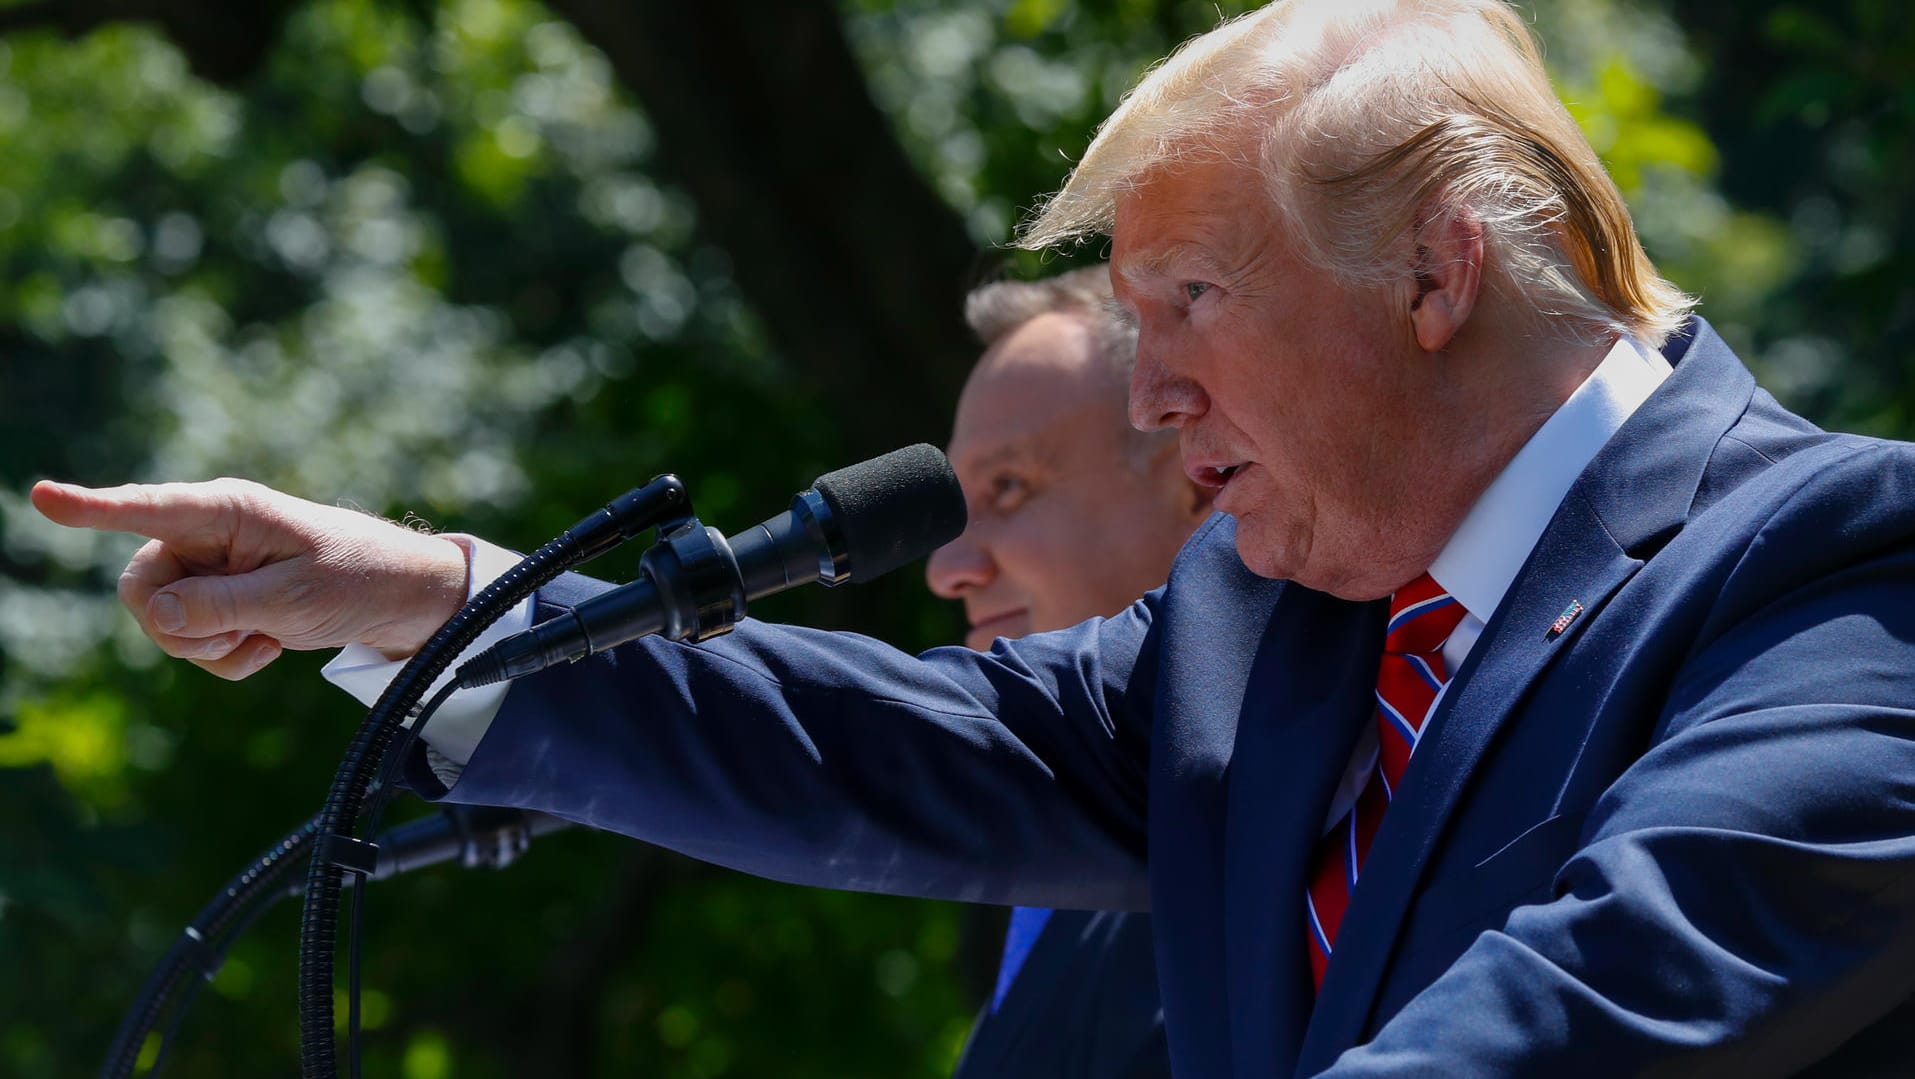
(853, 524)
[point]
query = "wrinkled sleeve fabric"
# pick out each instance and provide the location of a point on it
(1743, 899)
(1013, 776)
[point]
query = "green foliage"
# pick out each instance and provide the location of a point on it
(1813, 114)
(995, 100)
(83, 736)
(425, 262)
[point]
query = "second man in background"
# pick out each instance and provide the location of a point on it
(1073, 515)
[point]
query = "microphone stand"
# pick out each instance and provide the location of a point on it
(475, 836)
(904, 503)
(710, 598)
(202, 944)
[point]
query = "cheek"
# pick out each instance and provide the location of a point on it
(1056, 551)
(1031, 546)
(1317, 411)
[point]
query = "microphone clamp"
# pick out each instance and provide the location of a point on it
(699, 591)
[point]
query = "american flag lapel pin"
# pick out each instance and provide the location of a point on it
(1563, 620)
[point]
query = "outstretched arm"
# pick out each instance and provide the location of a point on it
(831, 759)
(821, 758)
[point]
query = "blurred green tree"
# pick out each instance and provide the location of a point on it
(1812, 108)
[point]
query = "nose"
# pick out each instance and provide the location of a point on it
(959, 566)
(1160, 396)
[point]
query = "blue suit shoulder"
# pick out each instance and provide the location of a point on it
(1706, 775)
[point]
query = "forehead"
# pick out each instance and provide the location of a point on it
(1202, 216)
(1041, 384)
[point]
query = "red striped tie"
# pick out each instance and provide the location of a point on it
(1422, 617)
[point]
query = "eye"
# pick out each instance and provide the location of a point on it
(1194, 289)
(1008, 492)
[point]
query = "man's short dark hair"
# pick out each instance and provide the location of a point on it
(996, 309)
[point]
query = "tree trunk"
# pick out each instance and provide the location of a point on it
(856, 266)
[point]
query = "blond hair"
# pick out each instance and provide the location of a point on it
(1372, 119)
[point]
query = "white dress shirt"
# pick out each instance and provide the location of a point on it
(1489, 548)
(1476, 565)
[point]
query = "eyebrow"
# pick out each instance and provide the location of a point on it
(1021, 449)
(1159, 263)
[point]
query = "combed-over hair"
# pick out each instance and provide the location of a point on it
(1373, 119)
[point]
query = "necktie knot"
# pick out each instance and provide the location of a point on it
(1422, 617)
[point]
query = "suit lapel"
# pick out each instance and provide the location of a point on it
(1318, 660)
(1634, 496)
(1507, 659)
(1216, 633)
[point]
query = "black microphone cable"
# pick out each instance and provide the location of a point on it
(381, 797)
(201, 948)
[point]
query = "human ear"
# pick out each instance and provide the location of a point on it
(1448, 268)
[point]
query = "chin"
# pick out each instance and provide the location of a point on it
(1285, 562)
(1263, 557)
(1285, 554)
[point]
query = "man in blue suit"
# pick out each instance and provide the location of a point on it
(1541, 702)
(1051, 471)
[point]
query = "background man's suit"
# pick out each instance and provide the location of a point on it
(1082, 1006)
(1680, 832)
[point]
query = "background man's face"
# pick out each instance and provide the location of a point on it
(1311, 414)
(1065, 523)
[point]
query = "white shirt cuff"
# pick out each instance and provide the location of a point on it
(454, 731)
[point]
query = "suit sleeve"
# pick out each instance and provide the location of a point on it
(1014, 776)
(1743, 899)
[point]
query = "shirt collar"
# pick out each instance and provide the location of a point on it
(1482, 558)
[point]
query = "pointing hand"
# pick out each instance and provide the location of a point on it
(237, 571)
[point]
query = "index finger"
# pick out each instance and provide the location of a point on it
(161, 511)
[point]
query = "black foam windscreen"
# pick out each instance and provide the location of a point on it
(895, 508)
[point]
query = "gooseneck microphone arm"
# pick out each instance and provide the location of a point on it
(474, 836)
(694, 585)
(200, 947)
(852, 525)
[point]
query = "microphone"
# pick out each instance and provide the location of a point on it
(474, 836)
(854, 524)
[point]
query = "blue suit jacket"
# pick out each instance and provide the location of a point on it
(1678, 837)
(1084, 1005)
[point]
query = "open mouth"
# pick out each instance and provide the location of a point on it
(1216, 478)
